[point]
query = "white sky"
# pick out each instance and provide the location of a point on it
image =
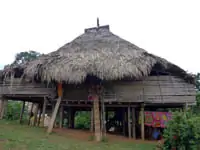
(167, 28)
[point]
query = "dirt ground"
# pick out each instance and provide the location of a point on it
(85, 135)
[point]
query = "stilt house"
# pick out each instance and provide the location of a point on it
(99, 72)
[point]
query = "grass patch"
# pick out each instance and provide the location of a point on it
(21, 137)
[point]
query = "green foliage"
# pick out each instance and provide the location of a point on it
(26, 56)
(183, 131)
(82, 120)
(13, 110)
(196, 108)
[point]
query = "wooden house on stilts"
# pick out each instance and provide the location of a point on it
(101, 72)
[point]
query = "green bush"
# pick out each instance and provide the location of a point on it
(196, 108)
(13, 110)
(82, 120)
(183, 131)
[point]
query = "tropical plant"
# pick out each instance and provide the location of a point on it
(182, 132)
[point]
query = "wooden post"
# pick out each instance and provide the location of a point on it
(40, 114)
(53, 118)
(97, 126)
(103, 118)
(53, 107)
(124, 121)
(29, 120)
(91, 120)
(61, 116)
(186, 107)
(73, 118)
(142, 122)
(1, 108)
(22, 112)
(44, 110)
(133, 123)
(35, 114)
(129, 122)
(69, 117)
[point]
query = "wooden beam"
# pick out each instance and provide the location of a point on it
(97, 126)
(61, 116)
(142, 122)
(22, 112)
(50, 127)
(133, 123)
(129, 122)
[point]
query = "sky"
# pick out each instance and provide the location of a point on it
(167, 28)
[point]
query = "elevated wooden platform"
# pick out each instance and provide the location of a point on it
(26, 92)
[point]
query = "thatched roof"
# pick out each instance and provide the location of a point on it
(100, 53)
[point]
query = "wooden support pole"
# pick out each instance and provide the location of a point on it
(129, 122)
(61, 116)
(186, 107)
(53, 107)
(69, 117)
(1, 108)
(40, 114)
(92, 120)
(97, 126)
(124, 121)
(142, 122)
(133, 123)
(22, 112)
(35, 114)
(53, 118)
(31, 111)
(4, 104)
(44, 110)
(73, 118)
(103, 118)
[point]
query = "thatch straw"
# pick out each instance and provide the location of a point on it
(100, 53)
